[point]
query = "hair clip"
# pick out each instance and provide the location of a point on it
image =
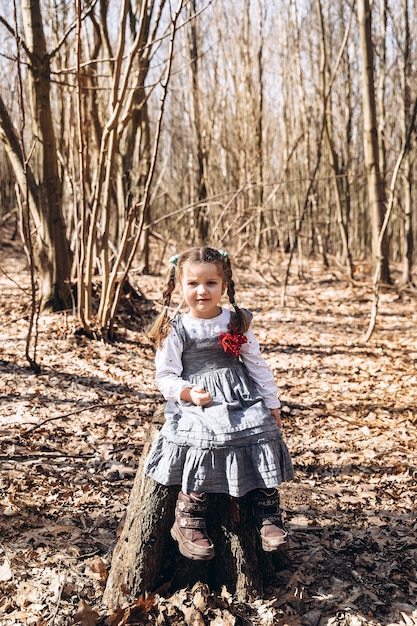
(223, 253)
(234, 305)
(174, 259)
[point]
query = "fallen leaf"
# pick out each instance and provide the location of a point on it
(97, 569)
(85, 615)
(5, 571)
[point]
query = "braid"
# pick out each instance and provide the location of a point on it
(170, 286)
(161, 326)
(239, 321)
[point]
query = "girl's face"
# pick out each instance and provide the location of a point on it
(202, 285)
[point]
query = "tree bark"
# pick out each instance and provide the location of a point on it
(146, 558)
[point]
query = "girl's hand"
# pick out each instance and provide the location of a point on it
(200, 396)
(196, 395)
(277, 415)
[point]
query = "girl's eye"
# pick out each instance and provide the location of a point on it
(212, 282)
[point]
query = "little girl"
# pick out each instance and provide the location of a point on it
(222, 431)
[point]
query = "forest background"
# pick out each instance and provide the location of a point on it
(280, 131)
(253, 125)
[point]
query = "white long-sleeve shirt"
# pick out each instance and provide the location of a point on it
(169, 364)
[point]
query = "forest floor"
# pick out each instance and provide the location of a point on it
(71, 437)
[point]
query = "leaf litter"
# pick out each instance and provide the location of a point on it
(71, 438)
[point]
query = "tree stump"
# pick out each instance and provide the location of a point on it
(146, 558)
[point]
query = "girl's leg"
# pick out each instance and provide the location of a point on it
(189, 528)
(268, 519)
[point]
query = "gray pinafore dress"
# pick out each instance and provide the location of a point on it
(231, 446)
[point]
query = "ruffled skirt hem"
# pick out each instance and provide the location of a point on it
(231, 470)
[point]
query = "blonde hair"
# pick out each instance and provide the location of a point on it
(239, 320)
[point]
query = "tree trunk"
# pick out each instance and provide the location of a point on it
(376, 192)
(381, 89)
(146, 558)
(51, 246)
(332, 153)
(408, 239)
(201, 231)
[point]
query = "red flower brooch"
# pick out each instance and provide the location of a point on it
(232, 342)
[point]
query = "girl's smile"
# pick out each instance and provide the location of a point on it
(202, 286)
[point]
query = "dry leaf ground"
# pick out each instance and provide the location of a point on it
(71, 437)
